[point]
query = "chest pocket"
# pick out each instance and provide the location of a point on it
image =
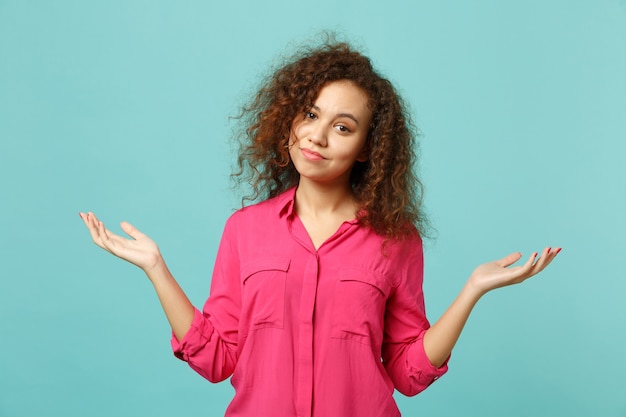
(263, 293)
(359, 306)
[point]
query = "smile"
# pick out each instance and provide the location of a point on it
(311, 155)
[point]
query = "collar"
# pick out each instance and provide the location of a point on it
(285, 203)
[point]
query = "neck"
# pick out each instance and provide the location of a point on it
(315, 199)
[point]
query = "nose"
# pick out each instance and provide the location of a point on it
(318, 135)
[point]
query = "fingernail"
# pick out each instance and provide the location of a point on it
(558, 250)
(535, 254)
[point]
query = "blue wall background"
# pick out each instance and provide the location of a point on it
(121, 107)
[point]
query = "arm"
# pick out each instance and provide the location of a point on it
(443, 335)
(208, 342)
(144, 253)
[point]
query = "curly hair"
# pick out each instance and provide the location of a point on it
(386, 188)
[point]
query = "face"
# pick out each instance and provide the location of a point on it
(331, 136)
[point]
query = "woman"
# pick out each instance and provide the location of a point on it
(316, 305)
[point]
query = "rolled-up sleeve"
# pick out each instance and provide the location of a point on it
(196, 338)
(210, 344)
(405, 325)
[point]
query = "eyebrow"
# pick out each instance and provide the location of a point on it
(348, 115)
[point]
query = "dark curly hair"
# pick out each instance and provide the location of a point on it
(385, 186)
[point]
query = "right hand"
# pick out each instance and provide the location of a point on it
(140, 250)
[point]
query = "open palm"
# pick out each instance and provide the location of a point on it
(500, 273)
(140, 250)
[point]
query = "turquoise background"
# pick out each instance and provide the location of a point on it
(122, 107)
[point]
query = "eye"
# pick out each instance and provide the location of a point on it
(343, 129)
(310, 115)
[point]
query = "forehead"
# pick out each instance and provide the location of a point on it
(343, 96)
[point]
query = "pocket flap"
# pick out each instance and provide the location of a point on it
(366, 276)
(264, 264)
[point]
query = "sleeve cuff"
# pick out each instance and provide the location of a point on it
(196, 337)
(419, 365)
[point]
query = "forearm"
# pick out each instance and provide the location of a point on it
(443, 335)
(176, 305)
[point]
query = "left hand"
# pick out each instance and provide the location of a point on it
(500, 273)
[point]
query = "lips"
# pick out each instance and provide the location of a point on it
(311, 155)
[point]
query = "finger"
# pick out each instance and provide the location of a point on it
(523, 272)
(529, 264)
(102, 231)
(553, 251)
(108, 235)
(547, 256)
(85, 218)
(509, 259)
(94, 221)
(131, 231)
(90, 221)
(109, 239)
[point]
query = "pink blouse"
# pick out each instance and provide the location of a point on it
(305, 332)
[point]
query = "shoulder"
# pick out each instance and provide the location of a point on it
(265, 213)
(396, 260)
(383, 252)
(405, 258)
(409, 247)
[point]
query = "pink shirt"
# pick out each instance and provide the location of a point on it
(303, 331)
